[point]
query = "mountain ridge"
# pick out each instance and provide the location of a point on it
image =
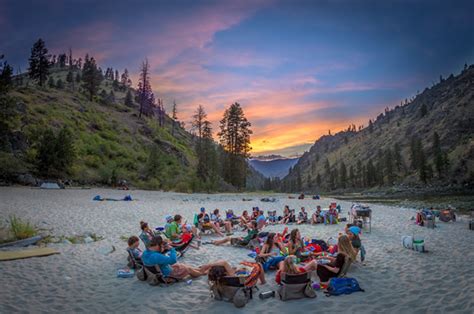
(386, 153)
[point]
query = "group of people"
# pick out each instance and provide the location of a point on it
(330, 216)
(284, 252)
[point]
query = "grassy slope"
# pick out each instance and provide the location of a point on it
(450, 107)
(110, 139)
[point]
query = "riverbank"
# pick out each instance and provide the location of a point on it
(82, 278)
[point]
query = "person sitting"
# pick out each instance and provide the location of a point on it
(272, 218)
(335, 265)
(244, 219)
(133, 248)
(261, 220)
(316, 217)
(204, 220)
(252, 233)
(331, 216)
(172, 229)
(147, 233)
(218, 221)
(302, 216)
(178, 232)
(288, 266)
(286, 215)
(269, 255)
(292, 216)
(295, 244)
(154, 256)
(255, 213)
(222, 268)
(353, 233)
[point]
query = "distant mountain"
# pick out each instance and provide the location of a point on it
(273, 167)
(424, 142)
(267, 157)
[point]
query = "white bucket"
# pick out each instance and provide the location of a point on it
(407, 242)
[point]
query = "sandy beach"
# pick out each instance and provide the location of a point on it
(83, 277)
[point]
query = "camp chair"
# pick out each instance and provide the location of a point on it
(154, 277)
(447, 215)
(296, 286)
(233, 289)
(229, 214)
(345, 267)
(133, 262)
(181, 247)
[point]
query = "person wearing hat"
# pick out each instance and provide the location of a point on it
(353, 233)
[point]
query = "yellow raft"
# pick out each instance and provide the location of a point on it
(12, 255)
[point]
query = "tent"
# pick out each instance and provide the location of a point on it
(50, 186)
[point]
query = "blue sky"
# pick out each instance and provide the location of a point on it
(298, 68)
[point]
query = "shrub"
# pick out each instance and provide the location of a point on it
(22, 229)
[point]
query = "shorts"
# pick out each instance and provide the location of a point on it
(207, 225)
(179, 271)
(238, 242)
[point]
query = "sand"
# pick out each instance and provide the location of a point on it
(83, 277)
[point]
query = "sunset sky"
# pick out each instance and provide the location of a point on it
(298, 68)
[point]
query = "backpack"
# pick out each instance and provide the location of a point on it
(324, 246)
(338, 286)
(296, 287)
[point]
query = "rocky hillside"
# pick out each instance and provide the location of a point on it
(426, 142)
(110, 142)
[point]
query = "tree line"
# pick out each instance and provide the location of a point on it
(222, 162)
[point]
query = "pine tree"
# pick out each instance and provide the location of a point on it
(51, 82)
(360, 174)
(423, 110)
(146, 98)
(299, 183)
(234, 137)
(352, 176)
(39, 62)
(6, 72)
(371, 126)
(318, 180)
(198, 121)
(55, 153)
(59, 84)
(414, 153)
(342, 175)
(421, 161)
(62, 60)
(70, 79)
(389, 165)
(125, 80)
(397, 156)
(129, 99)
(78, 78)
(91, 77)
(439, 160)
(174, 116)
(371, 175)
